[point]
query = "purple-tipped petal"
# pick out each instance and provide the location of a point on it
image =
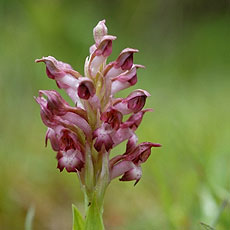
(133, 103)
(125, 59)
(133, 174)
(120, 168)
(47, 116)
(86, 88)
(104, 48)
(55, 103)
(123, 63)
(141, 153)
(134, 120)
(57, 69)
(100, 54)
(136, 100)
(65, 77)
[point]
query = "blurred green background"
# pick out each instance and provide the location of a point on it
(185, 46)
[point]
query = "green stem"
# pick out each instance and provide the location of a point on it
(94, 212)
(96, 180)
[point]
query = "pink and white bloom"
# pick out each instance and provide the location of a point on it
(83, 134)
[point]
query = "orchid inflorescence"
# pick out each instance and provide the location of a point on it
(84, 135)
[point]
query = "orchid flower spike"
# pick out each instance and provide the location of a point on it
(83, 134)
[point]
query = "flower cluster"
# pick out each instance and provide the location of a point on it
(86, 132)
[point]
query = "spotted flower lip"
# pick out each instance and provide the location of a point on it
(83, 134)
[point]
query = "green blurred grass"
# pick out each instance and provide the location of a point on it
(187, 73)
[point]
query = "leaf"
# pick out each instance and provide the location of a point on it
(78, 222)
(94, 219)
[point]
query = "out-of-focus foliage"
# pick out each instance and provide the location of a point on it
(185, 47)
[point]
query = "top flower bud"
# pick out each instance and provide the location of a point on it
(99, 32)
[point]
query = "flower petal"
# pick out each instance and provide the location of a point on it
(141, 152)
(121, 135)
(133, 103)
(100, 54)
(120, 168)
(125, 59)
(74, 119)
(134, 120)
(131, 144)
(124, 62)
(57, 69)
(133, 174)
(65, 77)
(86, 88)
(125, 80)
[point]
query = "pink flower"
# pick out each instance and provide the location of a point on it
(133, 103)
(83, 134)
(86, 88)
(129, 164)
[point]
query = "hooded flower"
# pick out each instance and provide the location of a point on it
(97, 118)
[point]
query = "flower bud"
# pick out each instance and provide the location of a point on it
(99, 31)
